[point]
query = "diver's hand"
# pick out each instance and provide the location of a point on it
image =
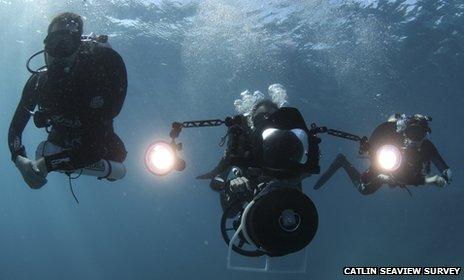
(440, 182)
(33, 172)
(42, 167)
(239, 184)
(436, 180)
(447, 175)
(385, 178)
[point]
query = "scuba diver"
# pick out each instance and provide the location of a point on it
(238, 173)
(237, 156)
(400, 155)
(78, 93)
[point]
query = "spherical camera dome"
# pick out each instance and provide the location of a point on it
(283, 149)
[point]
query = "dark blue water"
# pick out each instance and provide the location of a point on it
(345, 65)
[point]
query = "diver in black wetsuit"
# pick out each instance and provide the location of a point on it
(240, 140)
(78, 95)
(271, 143)
(237, 157)
(414, 156)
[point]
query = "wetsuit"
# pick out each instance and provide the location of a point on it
(79, 107)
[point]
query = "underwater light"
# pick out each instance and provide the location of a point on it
(389, 157)
(160, 158)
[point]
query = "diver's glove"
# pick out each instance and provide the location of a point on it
(239, 184)
(33, 172)
(436, 180)
(447, 175)
(385, 178)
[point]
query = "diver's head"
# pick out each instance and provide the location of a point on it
(261, 111)
(63, 41)
(414, 128)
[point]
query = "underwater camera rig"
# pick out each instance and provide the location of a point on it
(272, 219)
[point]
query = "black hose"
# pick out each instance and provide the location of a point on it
(29, 62)
(71, 185)
(72, 190)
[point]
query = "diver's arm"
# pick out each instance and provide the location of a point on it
(435, 157)
(439, 163)
(21, 118)
(219, 172)
(30, 170)
(230, 157)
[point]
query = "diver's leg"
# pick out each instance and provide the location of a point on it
(340, 161)
(352, 172)
(368, 188)
(363, 183)
(336, 164)
(368, 183)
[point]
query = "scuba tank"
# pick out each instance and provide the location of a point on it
(103, 169)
